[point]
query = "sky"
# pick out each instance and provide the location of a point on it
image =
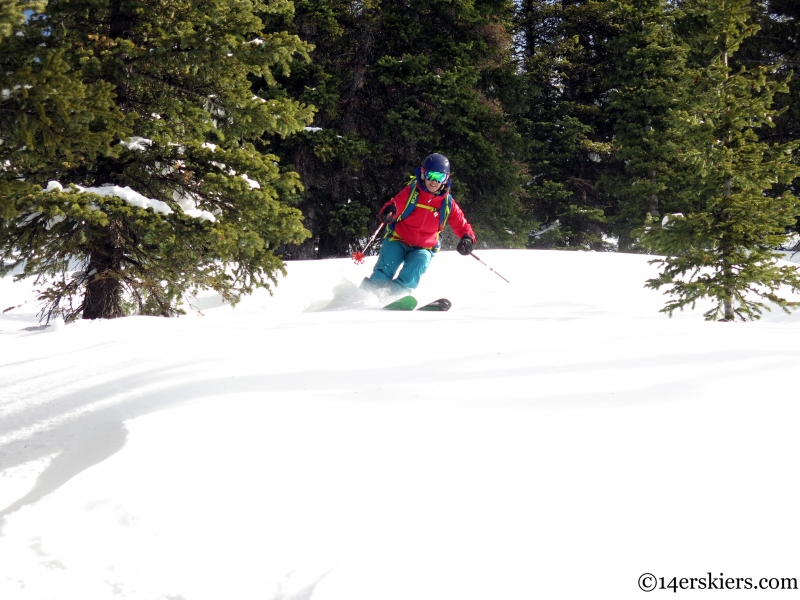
(552, 437)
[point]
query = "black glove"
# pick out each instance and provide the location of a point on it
(465, 245)
(388, 213)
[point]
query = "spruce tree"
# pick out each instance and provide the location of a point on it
(646, 88)
(50, 116)
(330, 155)
(12, 13)
(156, 163)
(723, 246)
(775, 44)
(566, 64)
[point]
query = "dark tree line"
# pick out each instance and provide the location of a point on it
(552, 111)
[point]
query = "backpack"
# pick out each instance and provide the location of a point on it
(411, 205)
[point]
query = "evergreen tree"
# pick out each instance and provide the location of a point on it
(49, 115)
(723, 247)
(567, 61)
(12, 13)
(330, 155)
(157, 152)
(646, 88)
(394, 82)
(776, 44)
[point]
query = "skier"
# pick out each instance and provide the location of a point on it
(414, 219)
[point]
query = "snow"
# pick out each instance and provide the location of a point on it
(6, 93)
(254, 185)
(188, 205)
(131, 197)
(556, 437)
(137, 143)
(186, 201)
(127, 194)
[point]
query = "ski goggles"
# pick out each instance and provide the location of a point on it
(436, 176)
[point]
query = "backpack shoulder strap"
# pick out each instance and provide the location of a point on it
(411, 203)
(444, 212)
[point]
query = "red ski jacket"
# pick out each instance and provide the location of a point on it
(421, 228)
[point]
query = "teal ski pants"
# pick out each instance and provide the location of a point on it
(394, 253)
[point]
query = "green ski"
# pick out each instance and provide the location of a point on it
(404, 303)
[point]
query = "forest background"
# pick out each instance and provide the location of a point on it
(257, 132)
(533, 101)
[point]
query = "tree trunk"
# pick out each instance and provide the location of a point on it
(340, 187)
(121, 27)
(352, 107)
(103, 299)
(653, 205)
(727, 267)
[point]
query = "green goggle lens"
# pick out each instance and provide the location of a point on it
(436, 176)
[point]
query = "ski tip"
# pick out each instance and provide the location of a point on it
(440, 305)
(404, 303)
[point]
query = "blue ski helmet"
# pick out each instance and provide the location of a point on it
(437, 162)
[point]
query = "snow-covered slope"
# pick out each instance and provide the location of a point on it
(555, 437)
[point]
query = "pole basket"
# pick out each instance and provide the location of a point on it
(358, 255)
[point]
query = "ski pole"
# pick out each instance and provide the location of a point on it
(488, 267)
(358, 255)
